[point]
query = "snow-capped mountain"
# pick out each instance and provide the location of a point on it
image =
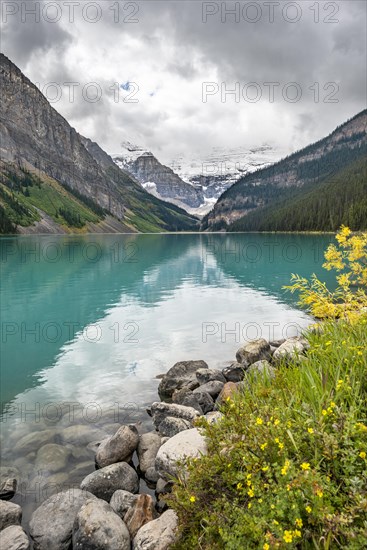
(194, 183)
(216, 171)
(158, 179)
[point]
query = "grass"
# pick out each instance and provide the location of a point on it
(286, 467)
(22, 193)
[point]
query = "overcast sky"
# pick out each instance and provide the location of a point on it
(161, 69)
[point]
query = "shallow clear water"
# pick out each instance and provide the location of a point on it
(89, 322)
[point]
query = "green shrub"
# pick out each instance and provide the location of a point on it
(286, 466)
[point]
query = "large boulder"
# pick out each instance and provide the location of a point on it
(213, 388)
(181, 375)
(119, 447)
(97, 527)
(208, 375)
(52, 457)
(261, 368)
(292, 348)
(14, 538)
(8, 487)
(189, 443)
(158, 534)
(254, 351)
(160, 411)
(140, 513)
(171, 426)
(51, 524)
(235, 372)
(148, 446)
(121, 501)
(151, 476)
(10, 514)
(205, 400)
(186, 397)
(229, 389)
(214, 417)
(104, 482)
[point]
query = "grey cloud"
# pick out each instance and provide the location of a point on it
(174, 41)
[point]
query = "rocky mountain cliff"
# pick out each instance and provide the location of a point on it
(215, 171)
(36, 138)
(196, 183)
(158, 179)
(309, 167)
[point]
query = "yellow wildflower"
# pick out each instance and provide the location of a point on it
(299, 522)
(319, 493)
(285, 468)
(310, 430)
(259, 421)
(266, 546)
(362, 454)
(287, 536)
(251, 493)
(263, 446)
(297, 533)
(308, 509)
(305, 466)
(192, 499)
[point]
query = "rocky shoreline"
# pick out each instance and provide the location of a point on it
(107, 511)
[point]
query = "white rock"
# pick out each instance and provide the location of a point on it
(189, 443)
(14, 538)
(158, 534)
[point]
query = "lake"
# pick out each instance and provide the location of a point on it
(88, 322)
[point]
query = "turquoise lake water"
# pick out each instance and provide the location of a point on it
(89, 322)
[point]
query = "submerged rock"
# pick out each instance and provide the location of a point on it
(33, 441)
(98, 527)
(104, 482)
(189, 443)
(52, 457)
(51, 524)
(82, 434)
(158, 534)
(181, 375)
(119, 447)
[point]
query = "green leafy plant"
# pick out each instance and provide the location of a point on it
(286, 466)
